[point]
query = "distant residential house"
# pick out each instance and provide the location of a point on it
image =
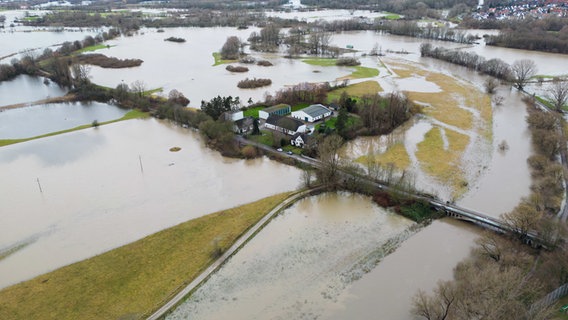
(279, 109)
(299, 140)
(312, 113)
(244, 125)
(285, 125)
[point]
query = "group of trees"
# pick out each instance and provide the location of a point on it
(519, 72)
(412, 29)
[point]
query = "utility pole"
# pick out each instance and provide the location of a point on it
(140, 160)
(39, 185)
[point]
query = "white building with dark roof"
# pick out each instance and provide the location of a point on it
(285, 125)
(312, 113)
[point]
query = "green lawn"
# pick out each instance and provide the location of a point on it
(391, 16)
(219, 60)
(330, 123)
(252, 112)
(359, 73)
(299, 106)
(364, 72)
(93, 48)
(322, 62)
(355, 90)
(133, 114)
(265, 137)
(132, 281)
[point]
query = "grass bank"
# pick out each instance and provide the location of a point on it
(356, 90)
(359, 73)
(131, 281)
(133, 114)
(219, 60)
(93, 48)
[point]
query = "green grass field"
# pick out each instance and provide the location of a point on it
(253, 112)
(218, 60)
(93, 48)
(132, 281)
(355, 90)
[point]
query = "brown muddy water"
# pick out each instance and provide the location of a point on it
(95, 197)
(298, 266)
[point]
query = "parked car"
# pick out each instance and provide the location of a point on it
(279, 149)
(290, 152)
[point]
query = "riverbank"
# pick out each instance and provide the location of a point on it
(131, 281)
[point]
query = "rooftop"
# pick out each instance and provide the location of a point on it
(316, 110)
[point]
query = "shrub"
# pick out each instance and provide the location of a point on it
(174, 39)
(236, 68)
(253, 83)
(264, 63)
(348, 61)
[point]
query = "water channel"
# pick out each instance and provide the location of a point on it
(95, 196)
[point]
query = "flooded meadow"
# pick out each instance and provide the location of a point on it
(333, 256)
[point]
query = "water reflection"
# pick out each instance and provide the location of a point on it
(298, 265)
(26, 88)
(53, 151)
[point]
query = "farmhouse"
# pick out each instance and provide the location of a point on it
(299, 140)
(312, 113)
(285, 125)
(244, 125)
(279, 109)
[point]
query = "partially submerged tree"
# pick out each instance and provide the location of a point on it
(523, 70)
(231, 48)
(558, 93)
(328, 151)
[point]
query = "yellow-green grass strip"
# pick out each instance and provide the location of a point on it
(395, 154)
(133, 280)
(322, 62)
(356, 90)
(133, 114)
(219, 60)
(442, 163)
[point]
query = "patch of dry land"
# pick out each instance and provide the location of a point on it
(460, 115)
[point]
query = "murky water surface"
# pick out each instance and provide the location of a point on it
(25, 88)
(298, 266)
(45, 118)
(95, 197)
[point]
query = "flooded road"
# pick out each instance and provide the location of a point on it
(95, 197)
(299, 264)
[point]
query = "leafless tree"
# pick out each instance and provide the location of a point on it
(138, 87)
(328, 151)
(491, 84)
(558, 93)
(231, 48)
(523, 70)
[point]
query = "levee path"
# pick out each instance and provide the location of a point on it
(160, 313)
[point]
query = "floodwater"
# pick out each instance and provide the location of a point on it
(26, 88)
(69, 197)
(45, 118)
(386, 292)
(298, 266)
(94, 195)
(189, 68)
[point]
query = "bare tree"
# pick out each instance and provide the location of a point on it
(558, 93)
(490, 85)
(523, 70)
(231, 48)
(328, 151)
(138, 87)
(80, 74)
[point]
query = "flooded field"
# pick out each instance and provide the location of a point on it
(45, 118)
(108, 186)
(26, 88)
(298, 265)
